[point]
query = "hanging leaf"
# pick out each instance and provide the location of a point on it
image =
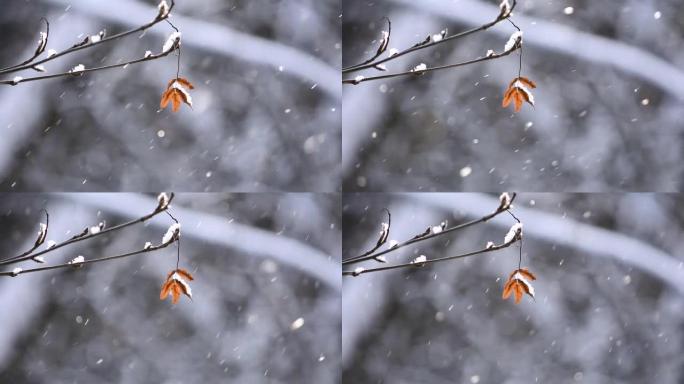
(177, 92)
(518, 91)
(175, 285)
(518, 284)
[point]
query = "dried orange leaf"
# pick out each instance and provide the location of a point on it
(518, 293)
(508, 288)
(184, 82)
(527, 274)
(518, 285)
(184, 274)
(527, 82)
(166, 288)
(518, 93)
(508, 96)
(176, 93)
(175, 285)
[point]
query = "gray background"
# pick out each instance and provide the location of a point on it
(609, 294)
(260, 261)
(267, 101)
(589, 131)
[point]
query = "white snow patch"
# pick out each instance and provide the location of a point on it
(522, 278)
(513, 233)
(505, 200)
(419, 260)
(505, 8)
(419, 68)
(163, 200)
(171, 233)
(184, 283)
(77, 260)
(172, 41)
(77, 69)
(163, 9)
(523, 88)
(298, 323)
(181, 88)
(513, 40)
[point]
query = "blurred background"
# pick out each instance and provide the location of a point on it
(608, 104)
(609, 292)
(266, 294)
(266, 105)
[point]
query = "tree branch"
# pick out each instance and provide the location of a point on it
(86, 70)
(361, 271)
(91, 41)
(88, 44)
(87, 234)
(42, 44)
(42, 234)
(428, 43)
(361, 79)
(90, 261)
(504, 206)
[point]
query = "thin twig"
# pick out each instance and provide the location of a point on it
(178, 48)
(178, 239)
(365, 257)
(39, 50)
(91, 261)
(41, 236)
(521, 48)
(86, 70)
(80, 46)
(521, 241)
(86, 235)
(383, 47)
(417, 47)
(362, 79)
(383, 236)
(362, 271)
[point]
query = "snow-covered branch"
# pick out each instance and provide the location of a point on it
(90, 232)
(90, 41)
(514, 235)
(377, 63)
